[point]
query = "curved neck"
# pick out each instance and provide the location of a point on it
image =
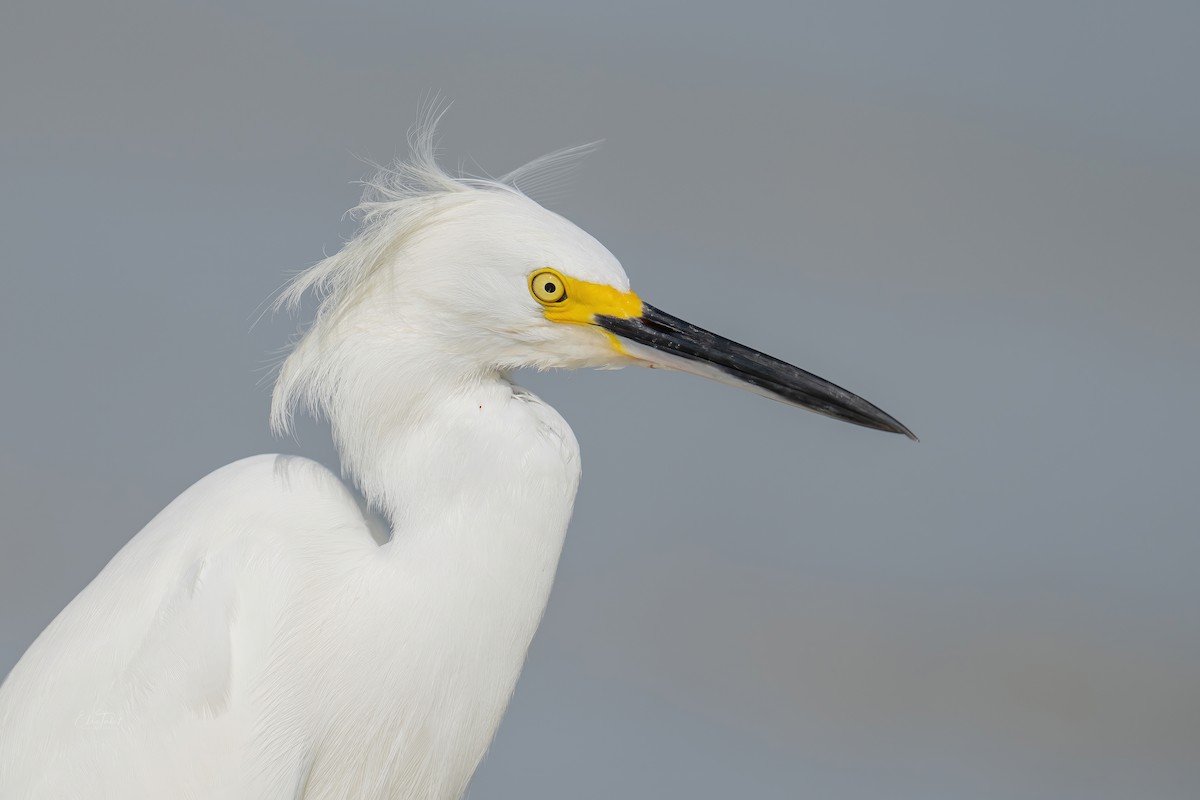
(473, 459)
(477, 479)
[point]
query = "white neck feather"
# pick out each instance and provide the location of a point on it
(477, 478)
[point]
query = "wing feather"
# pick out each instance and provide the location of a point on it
(166, 651)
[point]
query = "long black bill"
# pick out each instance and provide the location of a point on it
(666, 341)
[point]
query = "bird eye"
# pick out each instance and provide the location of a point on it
(548, 286)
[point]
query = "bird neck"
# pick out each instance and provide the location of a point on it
(477, 478)
(460, 453)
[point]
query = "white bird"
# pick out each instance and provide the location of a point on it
(261, 638)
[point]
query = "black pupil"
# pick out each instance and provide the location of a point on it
(549, 287)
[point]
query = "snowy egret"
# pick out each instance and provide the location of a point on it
(260, 638)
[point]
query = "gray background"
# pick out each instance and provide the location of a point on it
(983, 217)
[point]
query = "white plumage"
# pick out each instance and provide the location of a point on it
(263, 637)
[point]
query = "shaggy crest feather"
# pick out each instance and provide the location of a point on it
(399, 203)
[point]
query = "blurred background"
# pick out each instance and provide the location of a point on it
(984, 218)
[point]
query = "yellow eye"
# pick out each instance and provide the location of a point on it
(547, 286)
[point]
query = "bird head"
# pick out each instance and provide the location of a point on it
(469, 277)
